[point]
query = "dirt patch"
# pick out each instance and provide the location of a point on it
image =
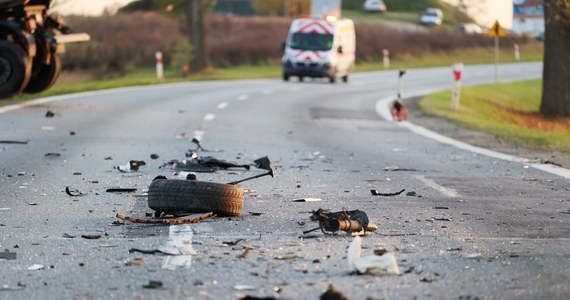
(485, 140)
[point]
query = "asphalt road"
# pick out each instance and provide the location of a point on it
(473, 227)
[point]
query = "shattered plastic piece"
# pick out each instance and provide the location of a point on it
(153, 284)
(8, 255)
(396, 168)
(52, 154)
(244, 287)
(68, 236)
(14, 142)
(35, 267)
(121, 190)
(91, 237)
(131, 166)
(255, 213)
(74, 192)
(473, 256)
(154, 156)
(333, 294)
(137, 261)
(385, 264)
(376, 193)
(50, 114)
(308, 200)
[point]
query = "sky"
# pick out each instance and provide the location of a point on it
(485, 12)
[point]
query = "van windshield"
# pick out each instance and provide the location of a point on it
(311, 41)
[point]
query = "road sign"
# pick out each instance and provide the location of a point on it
(497, 30)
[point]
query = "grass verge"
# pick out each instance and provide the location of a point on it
(508, 111)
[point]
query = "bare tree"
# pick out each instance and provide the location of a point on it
(195, 19)
(556, 70)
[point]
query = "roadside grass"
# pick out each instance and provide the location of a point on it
(508, 111)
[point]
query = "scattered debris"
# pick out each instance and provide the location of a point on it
(333, 294)
(261, 163)
(8, 255)
(32, 203)
(376, 193)
(121, 190)
(412, 194)
(137, 261)
(51, 114)
(154, 156)
(349, 221)
(244, 287)
(396, 168)
(35, 267)
(308, 200)
(255, 213)
(72, 133)
(68, 236)
(131, 166)
(52, 154)
(234, 243)
(14, 142)
(152, 252)
(74, 192)
(6, 287)
(91, 236)
(442, 219)
(153, 284)
(247, 297)
(171, 221)
(441, 207)
(473, 256)
(385, 264)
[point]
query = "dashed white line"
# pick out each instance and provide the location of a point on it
(443, 190)
(222, 105)
(179, 248)
(243, 97)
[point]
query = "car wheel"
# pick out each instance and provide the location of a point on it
(15, 69)
(45, 76)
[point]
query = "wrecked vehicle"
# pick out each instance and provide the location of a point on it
(31, 42)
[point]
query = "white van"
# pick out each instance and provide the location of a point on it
(319, 48)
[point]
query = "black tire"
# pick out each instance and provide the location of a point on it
(175, 195)
(301, 78)
(285, 77)
(332, 79)
(345, 78)
(15, 69)
(45, 76)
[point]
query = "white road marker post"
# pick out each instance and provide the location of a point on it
(401, 83)
(456, 93)
(517, 52)
(386, 58)
(159, 65)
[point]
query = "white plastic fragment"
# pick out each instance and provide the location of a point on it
(308, 200)
(385, 264)
(35, 267)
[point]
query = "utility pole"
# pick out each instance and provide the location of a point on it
(195, 21)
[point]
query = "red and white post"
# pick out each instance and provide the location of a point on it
(456, 93)
(159, 65)
(386, 58)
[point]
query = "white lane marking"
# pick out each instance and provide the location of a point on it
(209, 117)
(434, 185)
(383, 110)
(243, 97)
(179, 248)
(222, 105)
